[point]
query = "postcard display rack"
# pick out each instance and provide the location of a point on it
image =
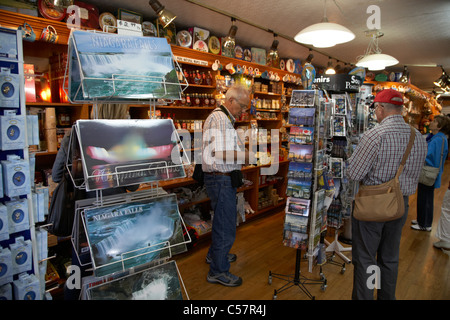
(127, 238)
(23, 241)
(308, 194)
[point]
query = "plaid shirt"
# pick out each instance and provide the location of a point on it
(378, 155)
(221, 128)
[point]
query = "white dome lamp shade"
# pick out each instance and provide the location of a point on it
(324, 34)
(377, 61)
(373, 59)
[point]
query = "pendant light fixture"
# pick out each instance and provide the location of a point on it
(165, 17)
(324, 34)
(373, 59)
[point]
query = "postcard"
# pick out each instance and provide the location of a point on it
(296, 223)
(340, 105)
(302, 98)
(106, 66)
(299, 170)
(157, 283)
(297, 206)
(300, 152)
(132, 234)
(128, 152)
(298, 188)
(301, 135)
(295, 240)
(302, 116)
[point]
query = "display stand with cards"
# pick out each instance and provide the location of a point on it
(23, 238)
(129, 237)
(306, 207)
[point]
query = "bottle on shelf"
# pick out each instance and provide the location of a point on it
(209, 79)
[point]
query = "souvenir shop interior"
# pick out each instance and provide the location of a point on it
(171, 62)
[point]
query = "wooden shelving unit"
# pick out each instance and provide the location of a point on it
(187, 58)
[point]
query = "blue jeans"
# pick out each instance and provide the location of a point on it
(223, 202)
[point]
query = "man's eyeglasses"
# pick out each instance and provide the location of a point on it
(242, 105)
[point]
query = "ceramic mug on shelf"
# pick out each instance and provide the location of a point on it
(27, 32)
(49, 34)
(216, 66)
(230, 68)
(250, 71)
(257, 73)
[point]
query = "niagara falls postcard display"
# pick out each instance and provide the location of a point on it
(157, 283)
(131, 234)
(128, 152)
(107, 66)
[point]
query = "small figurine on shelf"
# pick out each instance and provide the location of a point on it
(197, 78)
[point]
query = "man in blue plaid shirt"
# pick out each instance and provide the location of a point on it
(375, 161)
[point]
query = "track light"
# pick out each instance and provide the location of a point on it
(443, 79)
(165, 17)
(310, 57)
(330, 69)
(405, 75)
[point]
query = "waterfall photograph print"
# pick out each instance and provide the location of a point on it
(106, 66)
(132, 234)
(157, 283)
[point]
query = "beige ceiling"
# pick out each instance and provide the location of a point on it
(416, 32)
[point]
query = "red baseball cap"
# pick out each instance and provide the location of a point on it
(389, 96)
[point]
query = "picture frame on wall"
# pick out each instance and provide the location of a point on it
(129, 16)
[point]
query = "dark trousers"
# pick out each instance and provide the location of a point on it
(375, 256)
(425, 200)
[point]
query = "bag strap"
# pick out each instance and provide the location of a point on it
(442, 153)
(412, 137)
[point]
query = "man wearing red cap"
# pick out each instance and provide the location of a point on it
(375, 161)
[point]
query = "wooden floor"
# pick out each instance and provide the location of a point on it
(424, 271)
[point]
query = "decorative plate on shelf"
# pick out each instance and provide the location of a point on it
(282, 64)
(247, 55)
(184, 39)
(290, 66)
(107, 22)
(214, 45)
(201, 45)
(238, 52)
(149, 29)
(51, 12)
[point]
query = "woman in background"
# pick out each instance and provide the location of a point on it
(436, 155)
